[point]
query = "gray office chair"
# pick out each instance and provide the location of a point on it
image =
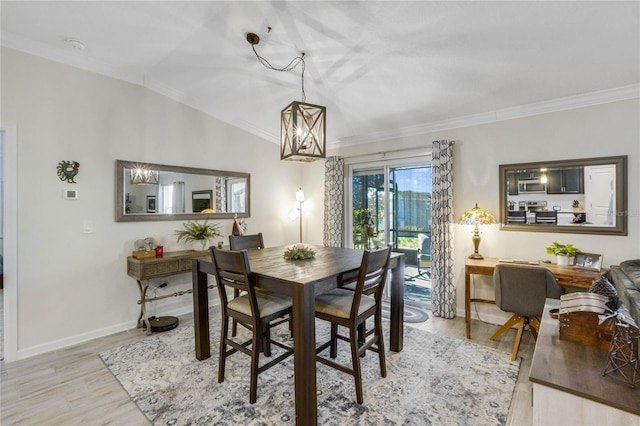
(523, 291)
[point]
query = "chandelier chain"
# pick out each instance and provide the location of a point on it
(290, 66)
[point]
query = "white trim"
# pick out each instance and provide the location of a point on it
(10, 249)
(570, 102)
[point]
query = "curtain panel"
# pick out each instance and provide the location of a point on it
(443, 303)
(333, 201)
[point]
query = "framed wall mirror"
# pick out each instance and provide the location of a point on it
(587, 196)
(146, 191)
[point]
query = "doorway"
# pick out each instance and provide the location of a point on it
(391, 204)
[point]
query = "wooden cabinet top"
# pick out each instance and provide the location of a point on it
(171, 263)
(577, 369)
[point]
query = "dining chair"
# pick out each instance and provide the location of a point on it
(239, 242)
(351, 309)
(258, 311)
(523, 290)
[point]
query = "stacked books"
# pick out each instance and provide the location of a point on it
(583, 302)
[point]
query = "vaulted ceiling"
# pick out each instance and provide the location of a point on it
(382, 69)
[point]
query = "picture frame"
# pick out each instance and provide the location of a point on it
(151, 204)
(590, 261)
(201, 200)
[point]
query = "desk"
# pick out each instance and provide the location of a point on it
(565, 275)
(171, 263)
(568, 385)
(301, 279)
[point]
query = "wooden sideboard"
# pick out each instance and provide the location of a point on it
(568, 385)
(171, 263)
(568, 276)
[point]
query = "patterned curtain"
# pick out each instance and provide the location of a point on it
(333, 201)
(443, 303)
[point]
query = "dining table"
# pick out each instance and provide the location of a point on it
(331, 267)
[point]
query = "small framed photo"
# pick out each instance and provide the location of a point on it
(151, 204)
(589, 261)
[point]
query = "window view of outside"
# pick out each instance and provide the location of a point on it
(408, 226)
(409, 208)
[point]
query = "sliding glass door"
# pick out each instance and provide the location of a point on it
(391, 204)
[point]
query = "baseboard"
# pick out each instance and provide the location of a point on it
(95, 334)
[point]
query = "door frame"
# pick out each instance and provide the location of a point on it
(10, 239)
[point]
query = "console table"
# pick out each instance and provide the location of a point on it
(568, 385)
(171, 263)
(569, 276)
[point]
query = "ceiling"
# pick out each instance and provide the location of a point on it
(382, 69)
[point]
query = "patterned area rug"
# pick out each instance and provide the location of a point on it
(411, 314)
(434, 380)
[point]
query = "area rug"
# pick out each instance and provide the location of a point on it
(417, 293)
(411, 314)
(435, 380)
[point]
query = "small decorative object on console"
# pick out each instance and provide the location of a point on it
(299, 252)
(623, 352)
(144, 249)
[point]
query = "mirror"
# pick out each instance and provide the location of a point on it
(146, 191)
(587, 196)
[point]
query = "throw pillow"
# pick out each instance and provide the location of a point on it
(604, 287)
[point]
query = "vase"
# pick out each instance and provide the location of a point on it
(201, 245)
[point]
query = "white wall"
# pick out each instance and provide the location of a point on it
(596, 131)
(73, 286)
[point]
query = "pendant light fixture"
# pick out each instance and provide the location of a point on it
(302, 125)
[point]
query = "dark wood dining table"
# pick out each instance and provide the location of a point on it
(303, 280)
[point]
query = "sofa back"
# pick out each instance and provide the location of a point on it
(626, 279)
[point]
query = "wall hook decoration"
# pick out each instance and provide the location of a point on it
(67, 170)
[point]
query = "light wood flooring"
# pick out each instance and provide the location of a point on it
(72, 386)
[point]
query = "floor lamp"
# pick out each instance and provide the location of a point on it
(297, 212)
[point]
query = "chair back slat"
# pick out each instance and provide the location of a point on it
(231, 269)
(240, 242)
(372, 276)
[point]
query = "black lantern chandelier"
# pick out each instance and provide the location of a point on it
(302, 125)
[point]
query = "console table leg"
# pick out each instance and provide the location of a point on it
(143, 320)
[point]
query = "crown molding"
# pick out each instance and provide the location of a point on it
(554, 105)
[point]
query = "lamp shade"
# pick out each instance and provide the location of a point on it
(303, 132)
(300, 196)
(478, 216)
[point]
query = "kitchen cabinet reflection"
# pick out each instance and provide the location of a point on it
(575, 196)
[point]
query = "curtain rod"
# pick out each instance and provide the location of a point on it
(391, 155)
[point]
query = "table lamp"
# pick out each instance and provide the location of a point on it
(476, 216)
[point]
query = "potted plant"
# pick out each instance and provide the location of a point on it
(565, 253)
(201, 232)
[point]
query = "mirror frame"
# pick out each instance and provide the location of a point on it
(620, 227)
(121, 165)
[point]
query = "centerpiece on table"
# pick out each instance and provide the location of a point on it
(299, 252)
(565, 253)
(201, 232)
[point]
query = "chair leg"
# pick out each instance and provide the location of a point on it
(516, 345)
(266, 340)
(507, 325)
(380, 344)
(333, 353)
(534, 327)
(224, 330)
(255, 357)
(355, 360)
